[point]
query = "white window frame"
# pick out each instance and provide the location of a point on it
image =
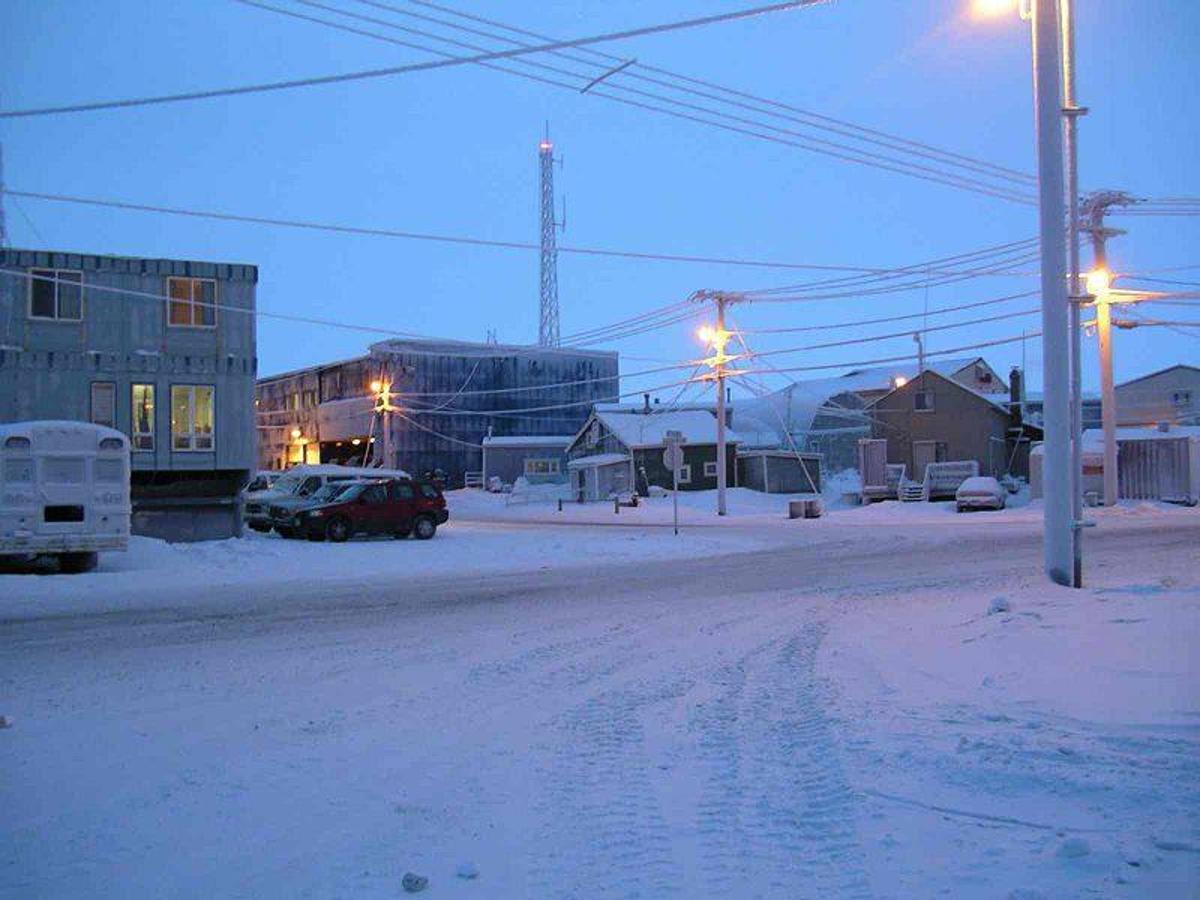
(553, 466)
(110, 422)
(193, 303)
(191, 433)
(136, 438)
(57, 273)
(932, 407)
(685, 473)
(710, 468)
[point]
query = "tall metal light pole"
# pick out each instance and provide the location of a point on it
(548, 335)
(1072, 112)
(1058, 527)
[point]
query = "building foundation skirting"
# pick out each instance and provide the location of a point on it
(184, 519)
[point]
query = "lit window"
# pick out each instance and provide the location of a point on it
(191, 417)
(141, 406)
(541, 467)
(104, 404)
(56, 294)
(192, 302)
(923, 401)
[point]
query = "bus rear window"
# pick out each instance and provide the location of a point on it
(18, 470)
(63, 469)
(109, 470)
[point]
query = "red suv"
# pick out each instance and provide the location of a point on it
(398, 507)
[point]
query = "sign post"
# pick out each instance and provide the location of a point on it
(673, 459)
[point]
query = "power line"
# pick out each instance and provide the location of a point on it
(932, 312)
(426, 236)
(889, 359)
(895, 334)
(411, 67)
(819, 145)
(682, 82)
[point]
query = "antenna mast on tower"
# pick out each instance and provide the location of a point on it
(548, 317)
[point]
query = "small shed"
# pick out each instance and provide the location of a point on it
(775, 471)
(539, 459)
(1152, 464)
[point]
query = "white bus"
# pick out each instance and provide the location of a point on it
(65, 491)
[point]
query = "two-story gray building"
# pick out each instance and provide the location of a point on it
(161, 349)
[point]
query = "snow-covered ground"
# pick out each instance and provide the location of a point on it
(757, 708)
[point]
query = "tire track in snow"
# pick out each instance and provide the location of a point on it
(605, 834)
(778, 815)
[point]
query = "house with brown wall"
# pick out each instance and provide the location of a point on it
(932, 418)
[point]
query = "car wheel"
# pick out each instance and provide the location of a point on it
(77, 563)
(338, 530)
(424, 528)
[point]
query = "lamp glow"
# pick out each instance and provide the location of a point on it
(1098, 282)
(994, 9)
(296, 432)
(376, 387)
(899, 381)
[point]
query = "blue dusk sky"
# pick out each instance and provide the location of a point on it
(454, 152)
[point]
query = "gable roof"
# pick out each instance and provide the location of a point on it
(1159, 372)
(1000, 402)
(640, 429)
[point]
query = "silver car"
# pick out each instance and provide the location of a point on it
(980, 492)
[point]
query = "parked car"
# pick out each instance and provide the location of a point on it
(396, 506)
(980, 492)
(263, 480)
(283, 510)
(303, 481)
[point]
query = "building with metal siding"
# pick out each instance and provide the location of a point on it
(447, 394)
(70, 349)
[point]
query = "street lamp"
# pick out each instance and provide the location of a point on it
(1099, 281)
(993, 9)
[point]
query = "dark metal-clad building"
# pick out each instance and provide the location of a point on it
(161, 349)
(445, 395)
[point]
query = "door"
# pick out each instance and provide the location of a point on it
(924, 453)
(402, 506)
(373, 509)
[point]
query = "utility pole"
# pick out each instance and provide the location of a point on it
(919, 338)
(382, 389)
(717, 337)
(1058, 527)
(1071, 114)
(548, 333)
(1094, 209)
(720, 378)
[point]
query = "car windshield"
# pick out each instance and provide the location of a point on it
(332, 490)
(351, 491)
(290, 483)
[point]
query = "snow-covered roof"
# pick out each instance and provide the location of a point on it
(636, 430)
(599, 459)
(528, 440)
(765, 420)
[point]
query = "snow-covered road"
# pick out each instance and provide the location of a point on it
(839, 718)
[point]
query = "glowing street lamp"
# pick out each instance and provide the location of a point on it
(1099, 281)
(899, 381)
(296, 432)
